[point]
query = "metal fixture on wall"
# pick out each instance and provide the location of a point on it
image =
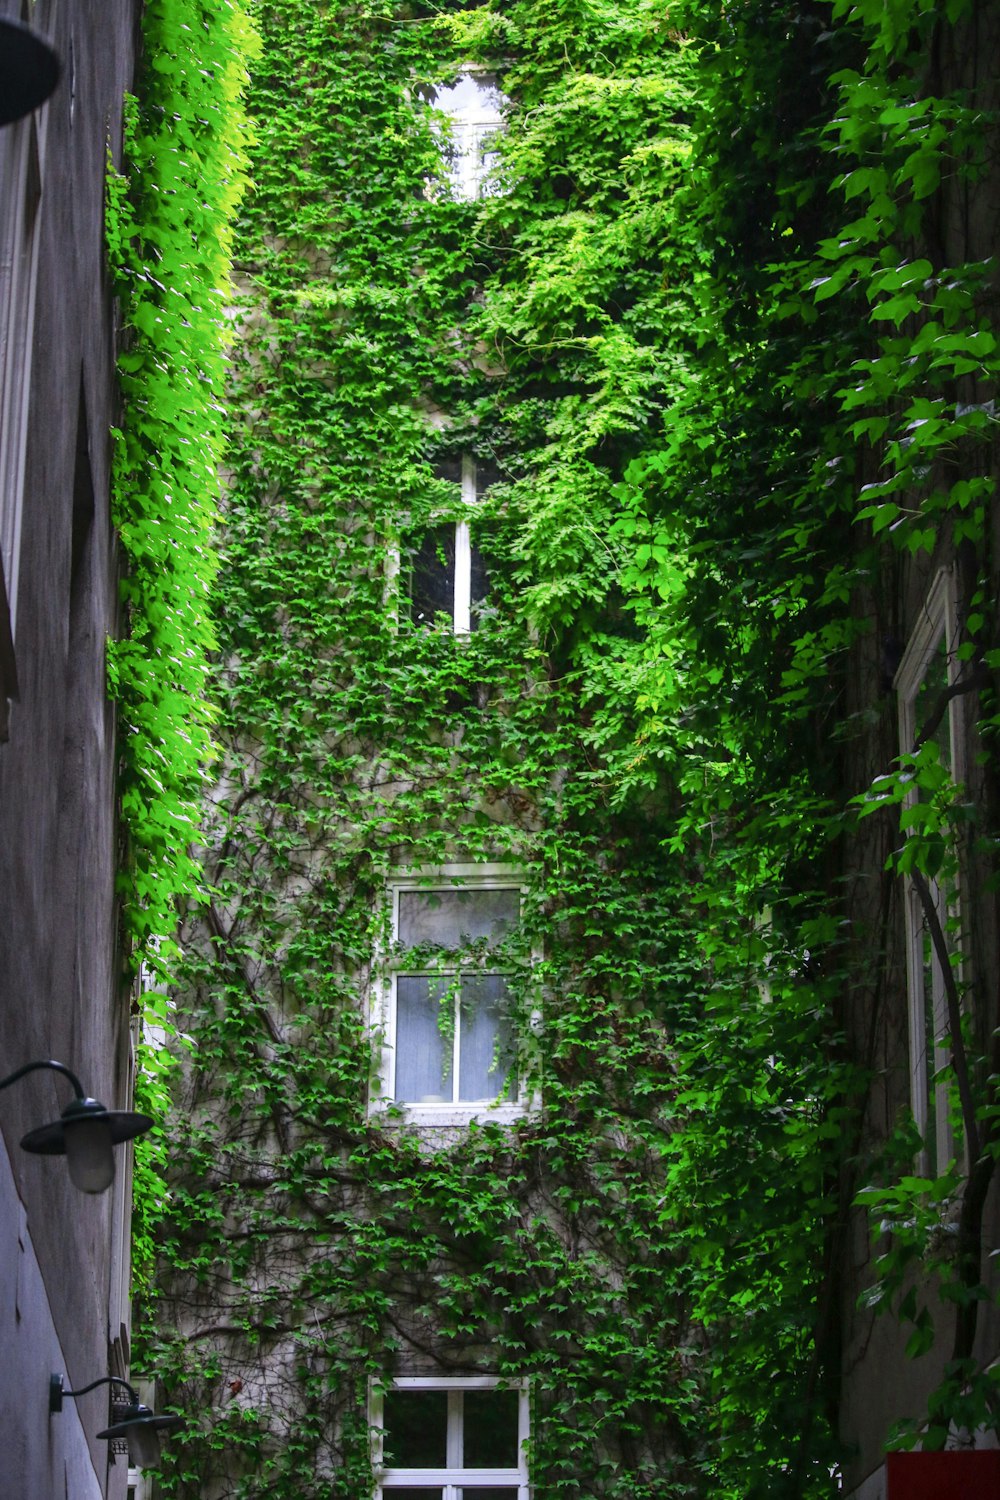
(29, 70)
(84, 1133)
(131, 1420)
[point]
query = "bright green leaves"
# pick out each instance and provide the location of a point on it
(169, 228)
(693, 342)
(169, 237)
(386, 333)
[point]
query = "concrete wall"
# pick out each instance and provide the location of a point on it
(60, 993)
(44, 1456)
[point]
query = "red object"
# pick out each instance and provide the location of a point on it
(943, 1476)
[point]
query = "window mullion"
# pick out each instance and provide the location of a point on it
(453, 1452)
(463, 578)
(456, 1046)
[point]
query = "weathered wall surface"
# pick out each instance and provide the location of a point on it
(46, 1455)
(61, 996)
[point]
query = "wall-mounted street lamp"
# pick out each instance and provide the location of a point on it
(132, 1421)
(84, 1133)
(29, 70)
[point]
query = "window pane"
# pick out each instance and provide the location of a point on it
(450, 917)
(450, 470)
(933, 684)
(432, 579)
(415, 1433)
(478, 582)
(408, 1492)
(486, 1048)
(931, 981)
(423, 1050)
(490, 1433)
(491, 1492)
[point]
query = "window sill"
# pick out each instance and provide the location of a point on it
(430, 1116)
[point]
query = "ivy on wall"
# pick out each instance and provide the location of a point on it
(682, 368)
(841, 451)
(387, 327)
(169, 232)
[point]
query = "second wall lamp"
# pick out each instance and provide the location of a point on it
(139, 1426)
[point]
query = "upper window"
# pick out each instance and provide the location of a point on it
(929, 666)
(20, 193)
(450, 1044)
(444, 572)
(474, 107)
(451, 1439)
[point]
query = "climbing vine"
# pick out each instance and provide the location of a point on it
(168, 227)
(719, 421)
(848, 422)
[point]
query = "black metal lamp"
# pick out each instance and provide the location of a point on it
(139, 1426)
(29, 70)
(84, 1133)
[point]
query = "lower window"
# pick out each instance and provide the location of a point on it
(446, 1012)
(451, 1439)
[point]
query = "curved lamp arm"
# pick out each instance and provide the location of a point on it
(57, 1067)
(58, 1391)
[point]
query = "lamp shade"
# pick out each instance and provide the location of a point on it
(89, 1155)
(29, 70)
(141, 1429)
(85, 1133)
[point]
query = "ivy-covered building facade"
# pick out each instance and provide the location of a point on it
(417, 1216)
(586, 650)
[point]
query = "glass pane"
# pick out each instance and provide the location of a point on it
(449, 917)
(450, 470)
(489, 1432)
(490, 1492)
(409, 1492)
(432, 579)
(486, 1051)
(423, 1050)
(930, 1062)
(933, 684)
(415, 1432)
(479, 583)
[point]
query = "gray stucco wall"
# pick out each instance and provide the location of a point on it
(60, 994)
(44, 1456)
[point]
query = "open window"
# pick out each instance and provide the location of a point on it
(451, 1439)
(450, 1048)
(930, 665)
(443, 573)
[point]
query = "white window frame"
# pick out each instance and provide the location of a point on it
(460, 876)
(453, 1478)
(938, 621)
(462, 611)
